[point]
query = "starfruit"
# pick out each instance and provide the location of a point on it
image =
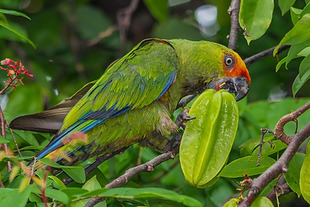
(208, 139)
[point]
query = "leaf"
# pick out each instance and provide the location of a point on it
(232, 203)
(92, 184)
(305, 10)
(269, 149)
(285, 5)
(145, 193)
(73, 192)
(261, 201)
(304, 180)
(280, 63)
(294, 50)
(11, 197)
(292, 176)
(298, 34)
(14, 172)
(77, 173)
(3, 140)
(304, 66)
(249, 146)
(59, 184)
(158, 8)
(295, 14)
(246, 165)
(57, 195)
(15, 13)
(252, 20)
(8, 27)
(299, 82)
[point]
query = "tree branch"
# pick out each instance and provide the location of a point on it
(234, 28)
(279, 129)
(281, 165)
(263, 54)
(146, 167)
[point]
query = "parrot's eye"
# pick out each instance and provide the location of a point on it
(229, 61)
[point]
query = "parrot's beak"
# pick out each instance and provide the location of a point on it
(237, 85)
(241, 87)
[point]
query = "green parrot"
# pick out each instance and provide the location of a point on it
(135, 98)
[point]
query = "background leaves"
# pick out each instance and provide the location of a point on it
(76, 41)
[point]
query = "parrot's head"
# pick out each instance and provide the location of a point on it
(236, 76)
(232, 74)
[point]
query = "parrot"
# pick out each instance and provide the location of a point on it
(134, 99)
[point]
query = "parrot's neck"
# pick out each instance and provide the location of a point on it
(199, 63)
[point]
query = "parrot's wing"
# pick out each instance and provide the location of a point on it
(51, 120)
(136, 80)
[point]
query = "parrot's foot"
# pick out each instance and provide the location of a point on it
(182, 118)
(174, 144)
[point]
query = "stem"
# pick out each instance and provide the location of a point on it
(234, 28)
(6, 148)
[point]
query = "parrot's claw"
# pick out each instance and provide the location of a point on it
(183, 117)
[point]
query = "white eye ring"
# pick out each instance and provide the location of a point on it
(229, 61)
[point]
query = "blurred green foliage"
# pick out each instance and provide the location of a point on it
(75, 41)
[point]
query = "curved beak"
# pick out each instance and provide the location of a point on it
(241, 87)
(238, 85)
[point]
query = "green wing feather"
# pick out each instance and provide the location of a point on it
(131, 83)
(134, 81)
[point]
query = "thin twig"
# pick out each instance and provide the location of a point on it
(264, 131)
(279, 167)
(234, 28)
(13, 137)
(6, 147)
(124, 21)
(254, 58)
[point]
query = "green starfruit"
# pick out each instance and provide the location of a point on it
(208, 139)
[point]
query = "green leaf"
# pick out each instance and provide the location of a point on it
(15, 13)
(158, 8)
(11, 197)
(280, 63)
(298, 34)
(285, 5)
(295, 14)
(305, 10)
(261, 201)
(145, 193)
(8, 27)
(269, 149)
(294, 50)
(304, 180)
(304, 66)
(292, 176)
(249, 146)
(3, 140)
(92, 184)
(73, 192)
(57, 195)
(58, 182)
(252, 20)
(299, 82)
(246, 165)
(77, 173)
(232, 203)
